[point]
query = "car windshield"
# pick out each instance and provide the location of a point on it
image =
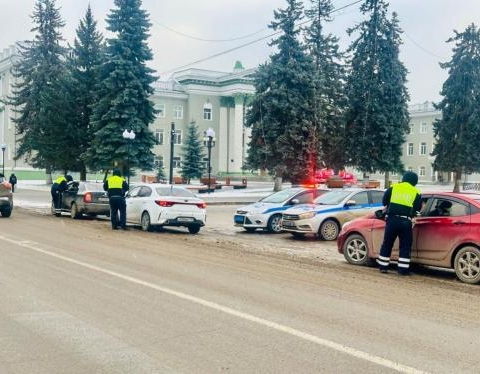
(174, 191)
(332, 197)
(94, 186)
(281, 196)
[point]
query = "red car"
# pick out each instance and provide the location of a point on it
(446, 234)
(322, 175)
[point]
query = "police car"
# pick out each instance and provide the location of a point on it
(326, 215)
(266, 214)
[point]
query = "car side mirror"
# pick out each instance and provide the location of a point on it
(294, 201)
(350, 203)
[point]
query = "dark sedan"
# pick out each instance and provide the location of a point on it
(87, 198)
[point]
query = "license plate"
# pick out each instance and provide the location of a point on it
(185, 219)
(103, 199)
(288, 224)
(239, 219)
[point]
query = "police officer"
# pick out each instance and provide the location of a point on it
(402, 200)
(58, 187)
(117, 188)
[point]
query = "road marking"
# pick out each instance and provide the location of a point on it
(248, 317)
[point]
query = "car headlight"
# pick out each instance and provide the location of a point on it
(306, 215)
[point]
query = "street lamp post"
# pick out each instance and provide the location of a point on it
(172, 142)
(3, 158)
(210, 133)
(128, 135)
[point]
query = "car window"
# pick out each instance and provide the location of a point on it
(174, 191)
(332, 197)
(134, 192)
(442, 207)
(144, 191)
(281, 196)
(360, 198)
(305, 197)
(92, 186)
(376, 196)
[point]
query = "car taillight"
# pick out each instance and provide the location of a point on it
(87, 197)
(164, 203)
(202, 205)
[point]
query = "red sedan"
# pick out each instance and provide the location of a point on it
(446, 234)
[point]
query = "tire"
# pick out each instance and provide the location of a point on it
(193, 229)
(74, 211)
(250, 229)
(467, 265)
(274, 224)
(145, 222)
(355, 250)
(329, 230)
(6, 212)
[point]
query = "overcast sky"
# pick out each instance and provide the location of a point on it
(188, 31)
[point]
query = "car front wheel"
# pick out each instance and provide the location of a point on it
(146, 223)
(467, 265)
(355, 250)
(275, 224)
(328, 230)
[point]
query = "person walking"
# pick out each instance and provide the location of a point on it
(116, 188)
(13, 181)
(58, 187)
(402, 201)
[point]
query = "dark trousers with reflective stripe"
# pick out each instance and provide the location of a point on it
(118, 205)
(401, 228)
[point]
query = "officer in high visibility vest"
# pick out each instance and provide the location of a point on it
(58, 187)
(117, 188)
(403, 201)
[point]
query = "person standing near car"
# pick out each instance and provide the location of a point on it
(58, 187)
(13, 181)
(116, 188)
(402, 201)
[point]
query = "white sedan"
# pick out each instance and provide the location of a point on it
(156, 204)
(325, 217)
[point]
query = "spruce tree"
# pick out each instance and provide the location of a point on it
(377, 118)
(84, 68)
(161, 175)
(38, 92)
(192, 164)
(458, 131)
(123, 93)
(281, 116)
(329, 81)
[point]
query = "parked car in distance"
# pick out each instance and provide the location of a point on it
(6, 198)
(151, 205)
(325, 216)
(266, 214)
(87, 198)
(446, 234)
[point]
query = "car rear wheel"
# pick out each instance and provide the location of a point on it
(355, 250)
(74, 213)
(467, 265)
(145, 222)
(275, 224)
(193, 229)
(6, 211)
(328, 230)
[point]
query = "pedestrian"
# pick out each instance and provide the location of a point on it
(117, 187)
(58, 187)
(402, 201)
(13, 181)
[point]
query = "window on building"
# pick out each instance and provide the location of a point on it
(207, 111)
(410, 149)
(177, 138)
(205, 163)
(178, 111)
(423, 149)
(158, 161)
(409, 168)
(422, 171)
(423, 128)
(159, 136)
(411, 128)
(160, 108)
(177, 162)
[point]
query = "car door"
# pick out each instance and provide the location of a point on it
(435, 235)
(68, 196)
(133, 205)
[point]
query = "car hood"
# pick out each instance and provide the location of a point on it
(261, 207)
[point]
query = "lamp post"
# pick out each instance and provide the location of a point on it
(172, 142)
(3, 158)
(128, 135)
(210, 134)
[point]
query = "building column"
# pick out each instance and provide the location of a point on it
(236, 137)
